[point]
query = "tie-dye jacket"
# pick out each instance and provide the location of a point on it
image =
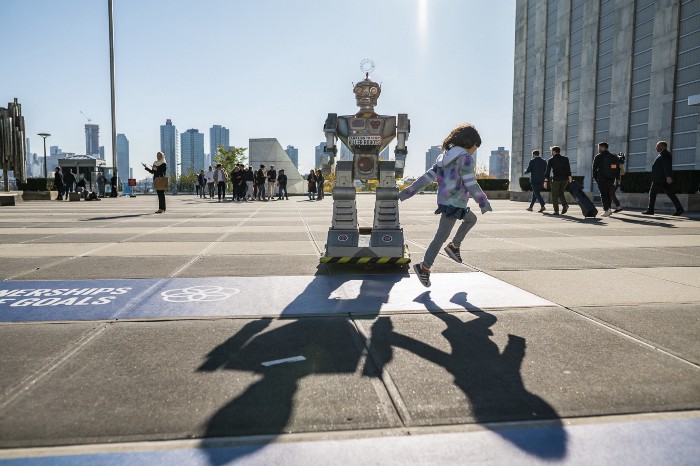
(454, 172)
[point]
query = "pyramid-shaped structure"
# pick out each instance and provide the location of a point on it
(269, 152)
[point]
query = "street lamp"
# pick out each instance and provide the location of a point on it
(45, 135)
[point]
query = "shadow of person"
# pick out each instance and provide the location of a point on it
(329, 344)
(490, 379)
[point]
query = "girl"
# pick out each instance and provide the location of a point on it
(159, 170)
(454, 172)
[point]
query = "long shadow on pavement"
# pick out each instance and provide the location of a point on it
(490, 379)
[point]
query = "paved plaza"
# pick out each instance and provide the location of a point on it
(212, 335)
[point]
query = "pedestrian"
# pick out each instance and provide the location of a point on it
(282, 182)
(319, 182)
(260, 180)
(662, 179)
(159, 170)
(69, 182)
(311, 185)
(271, 181)
(202, 183)
(237, 180)
(58, 183)
(456, 180)
(113, 185)
(606, 169)
(559, 169)
(101, 181)
(249, 178)
(209, 175)
(536, 168)
(220, 178)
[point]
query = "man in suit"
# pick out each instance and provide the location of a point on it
(606, 169)
(661, 179)
(536, 168)
(560, 170)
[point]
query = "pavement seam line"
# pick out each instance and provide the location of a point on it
(40, 374)
(391, 389)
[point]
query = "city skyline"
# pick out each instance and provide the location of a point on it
(247, 91)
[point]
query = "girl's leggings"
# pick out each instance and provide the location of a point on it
(443, 233)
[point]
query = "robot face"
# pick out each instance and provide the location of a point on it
(366, 93)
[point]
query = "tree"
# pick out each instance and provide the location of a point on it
(229, 158)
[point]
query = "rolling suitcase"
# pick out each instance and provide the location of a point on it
(587, 207)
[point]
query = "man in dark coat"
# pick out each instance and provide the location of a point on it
(282, 182)
(536, 168)
(606, 169)
(58, 183)
(560, 170)
(69, 182)
(661, 179)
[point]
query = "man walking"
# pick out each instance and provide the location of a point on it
(69, 182)
(249, 178)
(271, 180)
(220, 178)
(661, 179)
(282, 182)
(560, 170)
(209, 175)
(536, 168)
(58, 183)
(202, 183)
(260, 178)
(606, 169)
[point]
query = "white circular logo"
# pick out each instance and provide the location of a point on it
(199, 294)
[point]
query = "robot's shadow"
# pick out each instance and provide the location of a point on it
(333, 345)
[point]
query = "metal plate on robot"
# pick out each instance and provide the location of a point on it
(365, 140)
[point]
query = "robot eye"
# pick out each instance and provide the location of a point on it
(358, 90)
(373, 90)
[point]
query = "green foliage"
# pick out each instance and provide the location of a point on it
(493, 184)
(228, 158)
(186, 181)
(36, 184)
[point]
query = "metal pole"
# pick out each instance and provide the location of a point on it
(46, 172)
(111, 78)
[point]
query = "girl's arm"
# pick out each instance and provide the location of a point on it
(427, 178)
(475, 191)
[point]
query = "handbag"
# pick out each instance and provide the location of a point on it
(160, 183)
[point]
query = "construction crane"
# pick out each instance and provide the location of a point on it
(88, 119)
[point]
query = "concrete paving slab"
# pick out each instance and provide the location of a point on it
(94, 268)
(640, 257)
(674, 327)
(603, 287)
(18, 238)
(527, 260)
(278, 248)
(15, 265)
(140, 249)
(85, 237)
(44, 250)
(267, 236)
(120, 386)
(520, 365)
(250, 266)
(685, 275)
(167, 237)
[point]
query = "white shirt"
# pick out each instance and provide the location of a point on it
(209, 175)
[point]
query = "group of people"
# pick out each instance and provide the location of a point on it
(314, 185)
(248, 185)
(66, 183)
(607, 172)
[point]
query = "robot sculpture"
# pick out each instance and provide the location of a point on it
(366, 134)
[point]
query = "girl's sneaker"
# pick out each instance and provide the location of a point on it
(453, 253)
(423, 274)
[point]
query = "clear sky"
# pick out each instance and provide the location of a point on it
(262, 68)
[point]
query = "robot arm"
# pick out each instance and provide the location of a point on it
(403, 127)
(329, 150)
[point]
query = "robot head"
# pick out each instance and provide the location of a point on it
(366, 93)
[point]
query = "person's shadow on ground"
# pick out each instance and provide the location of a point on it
(490, 379)
(329, 345)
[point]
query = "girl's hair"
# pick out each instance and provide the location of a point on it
(464, 135)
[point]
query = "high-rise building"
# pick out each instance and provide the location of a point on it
(170, 147)
(293, 154)
(101, 154)
(588, 71)
(123, 157)
(92, 140)
(499, 163)
(218, 136)
(431, 156)
(319, 153)
(192, 151)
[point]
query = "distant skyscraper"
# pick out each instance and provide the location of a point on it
(170, 147)
(499, 163)
(293, 154)
(431, 156)
(192, 152)
(92, 139)
(123, 157)
(319, 153)
(102, 152)
(218, 136)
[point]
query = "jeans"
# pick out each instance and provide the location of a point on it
(250, 191)
(656, 188)
(283, 189)
(211, 190)
(261, 192)
(443, 232)
(221, 189)
(558, 189)
(536, 195)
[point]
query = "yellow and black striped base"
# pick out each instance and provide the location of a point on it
(368, 260)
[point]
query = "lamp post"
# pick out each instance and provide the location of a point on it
(45, 135)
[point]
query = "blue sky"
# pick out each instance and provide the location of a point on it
(263, 68)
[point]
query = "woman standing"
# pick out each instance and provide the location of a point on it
(159, 170)
(311, 180)
(319, 184)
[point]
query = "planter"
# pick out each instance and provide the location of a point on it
(9, 198)
(690, 202)
(526, 196)
(39, 195)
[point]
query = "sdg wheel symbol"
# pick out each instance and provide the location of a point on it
(198, 294)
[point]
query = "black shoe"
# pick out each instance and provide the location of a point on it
(564, 209)
(617, 209)
(648, 212)
(556, 212)
(422, 274)
(453, 253)
(678, 213)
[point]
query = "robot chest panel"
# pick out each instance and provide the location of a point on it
(368, 131)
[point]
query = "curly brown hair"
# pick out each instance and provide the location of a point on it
(464, 135)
